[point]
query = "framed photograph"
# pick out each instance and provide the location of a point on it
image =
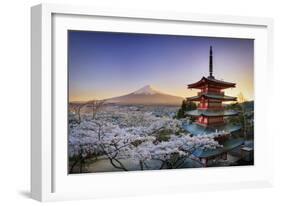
(137, 102)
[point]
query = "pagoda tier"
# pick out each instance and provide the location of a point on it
(211, 96)
(209, 83)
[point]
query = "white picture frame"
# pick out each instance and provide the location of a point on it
(49, 179)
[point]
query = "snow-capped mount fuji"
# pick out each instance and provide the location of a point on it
(147, 90)
(146, 95)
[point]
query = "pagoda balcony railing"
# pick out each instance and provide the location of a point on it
(215, 93)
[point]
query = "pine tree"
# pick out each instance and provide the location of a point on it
(190, 106)
(185, 106)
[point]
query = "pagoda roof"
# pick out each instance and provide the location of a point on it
(227, 145)
(197, 129)
(212, 96)
(211, 81)
(212, 113)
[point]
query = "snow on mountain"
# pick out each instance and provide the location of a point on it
(146, 90)
(146, 96)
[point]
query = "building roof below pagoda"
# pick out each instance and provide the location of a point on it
(227, 145)
(211, 113)
(211, 81)
(197, 129)
(212, 96)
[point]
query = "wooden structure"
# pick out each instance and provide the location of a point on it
(210, 114)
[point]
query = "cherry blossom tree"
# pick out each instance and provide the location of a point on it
(138, 136)
(77, 107)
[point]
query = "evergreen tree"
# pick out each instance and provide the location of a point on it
(190, 106)
(185, 106)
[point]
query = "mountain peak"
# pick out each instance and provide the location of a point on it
(146, 95)
(146, 90)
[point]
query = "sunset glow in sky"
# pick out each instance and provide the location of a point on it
(104, 65)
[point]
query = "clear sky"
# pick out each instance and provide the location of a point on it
(103, 64)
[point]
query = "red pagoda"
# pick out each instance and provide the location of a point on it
(210, 114)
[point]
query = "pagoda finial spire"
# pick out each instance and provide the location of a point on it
(211, 63)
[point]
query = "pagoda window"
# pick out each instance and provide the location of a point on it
(205, 120)
(203, 104)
